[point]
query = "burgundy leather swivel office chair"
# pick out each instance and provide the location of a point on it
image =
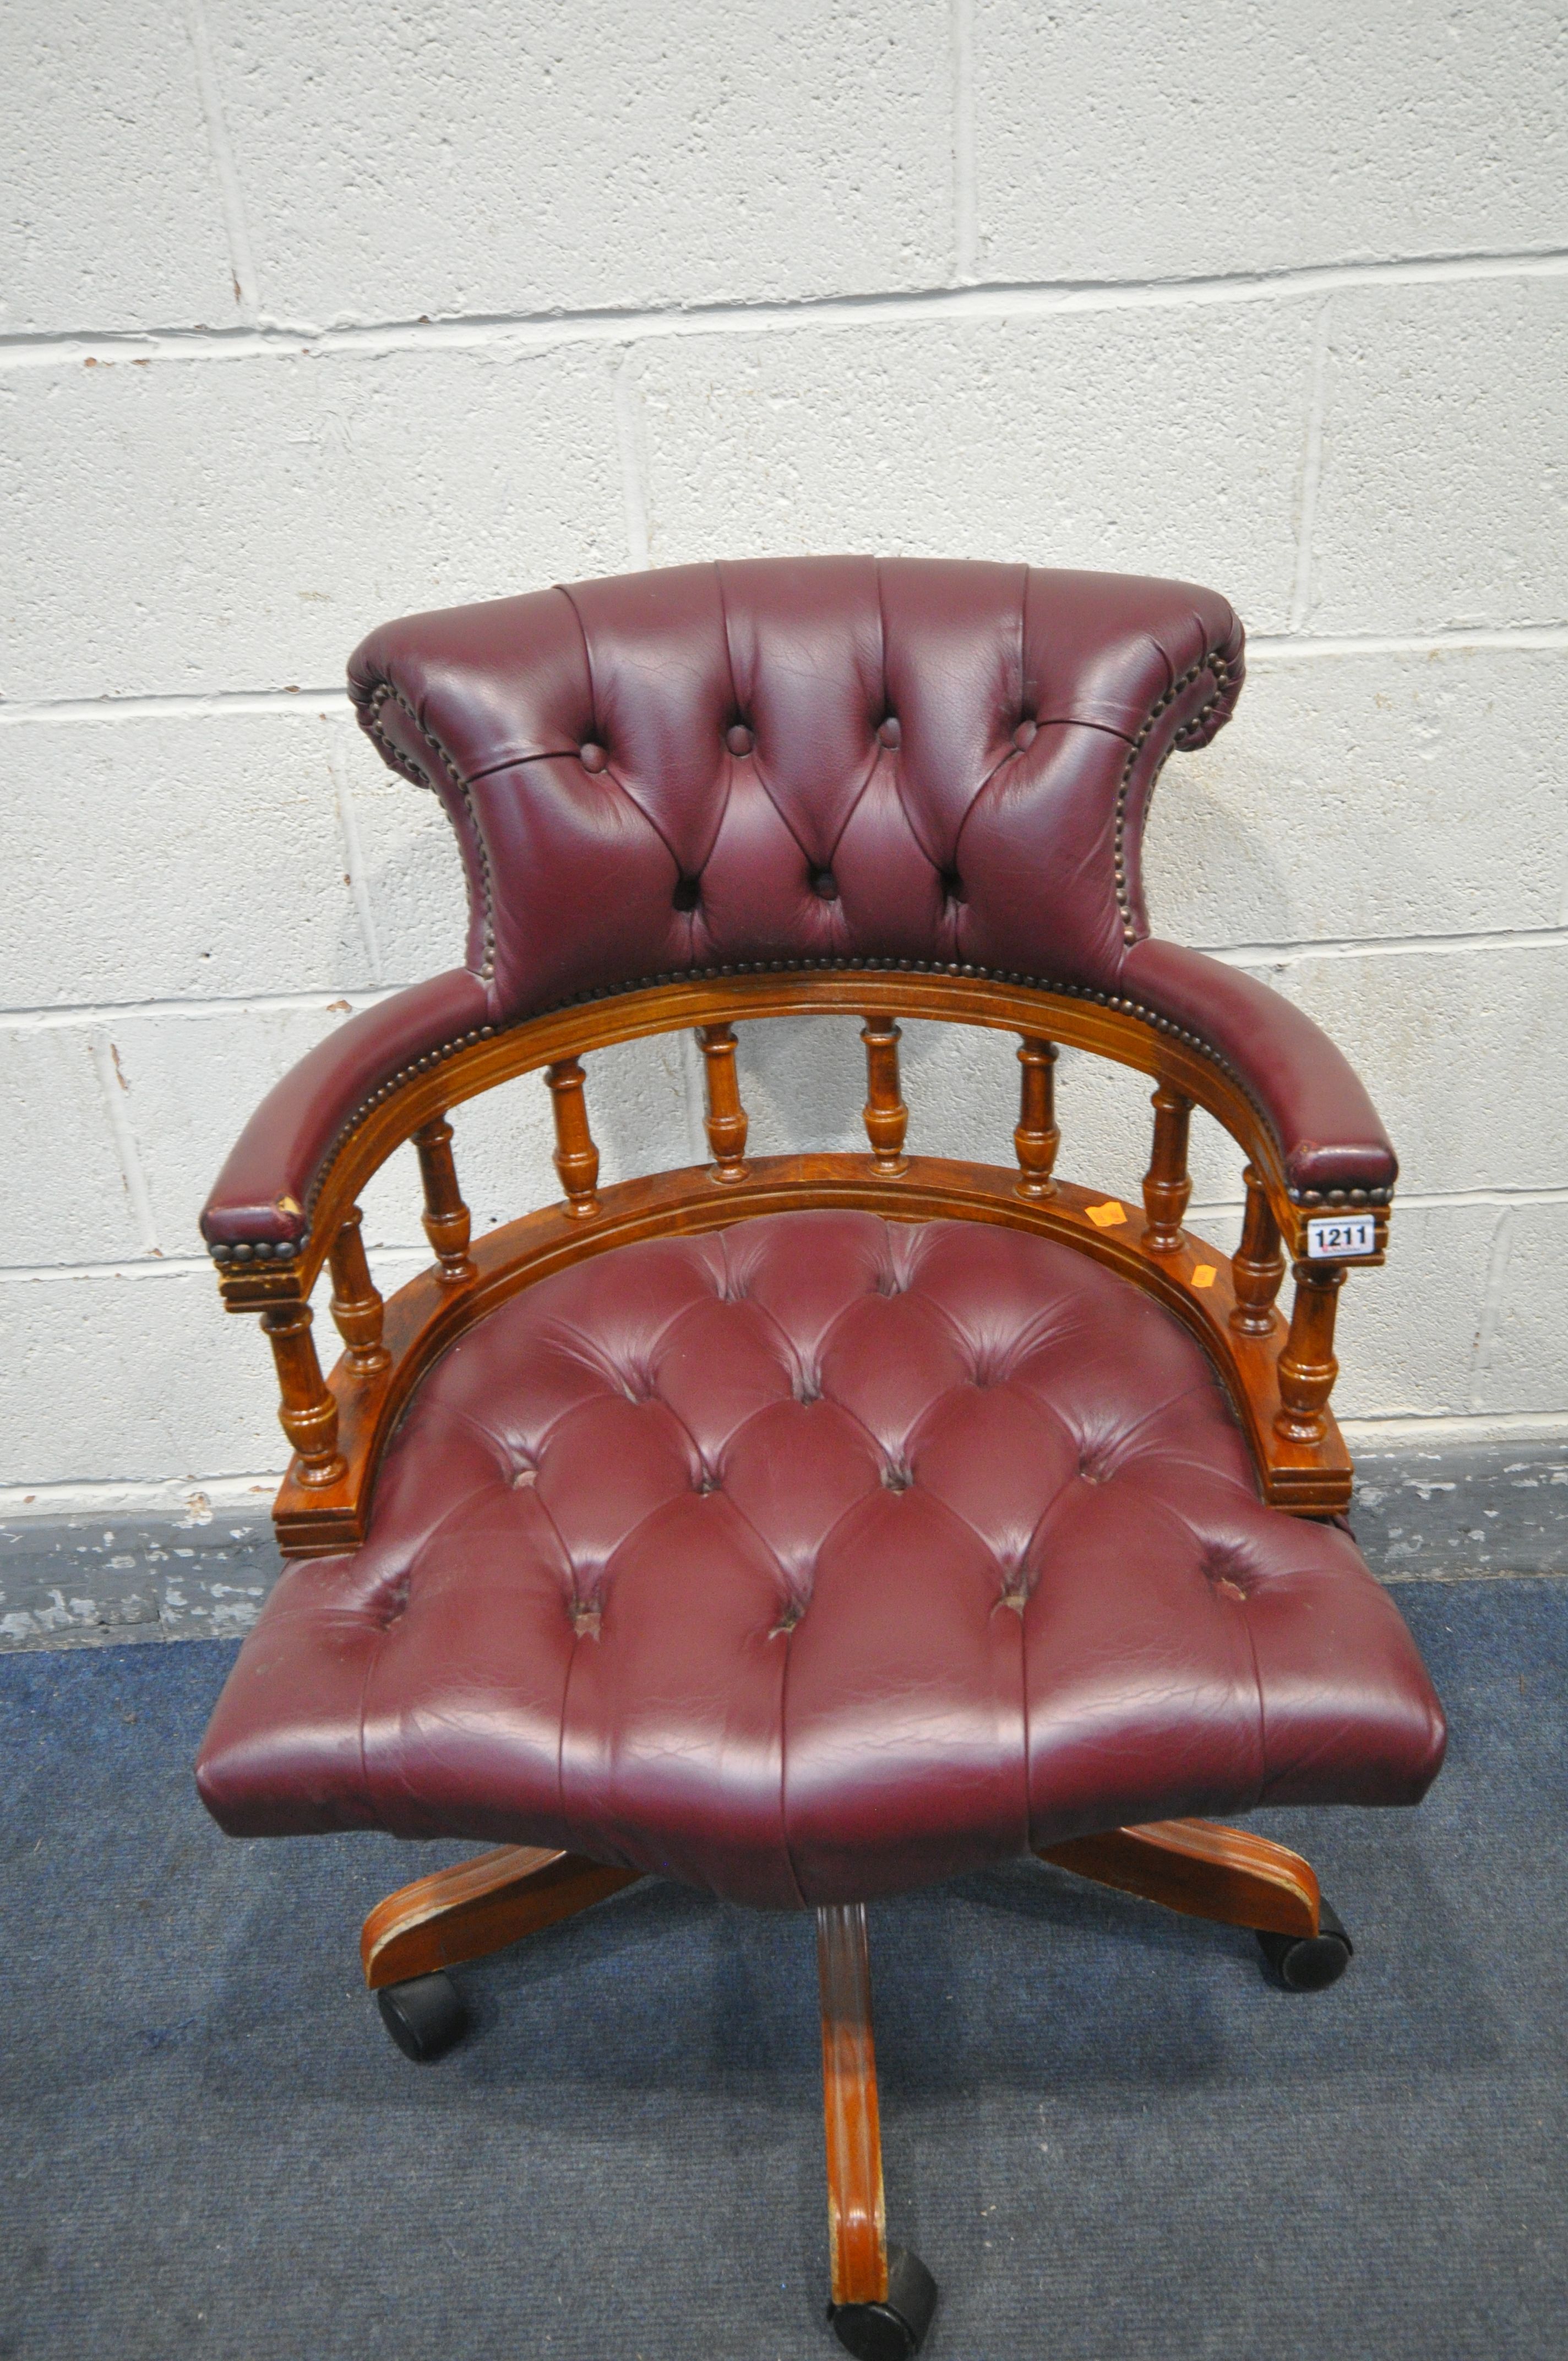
(810, 1528)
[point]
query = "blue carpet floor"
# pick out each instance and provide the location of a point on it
(1109, 2137)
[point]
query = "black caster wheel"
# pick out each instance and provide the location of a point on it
(1308, 1962)
(424, 2016)
(890, 2331)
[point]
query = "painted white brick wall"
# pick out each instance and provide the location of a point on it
(310, 317)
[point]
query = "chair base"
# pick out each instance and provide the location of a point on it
(882, 2296)
(1198, 1867)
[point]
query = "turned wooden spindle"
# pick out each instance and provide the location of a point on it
(1258, 1265)
(857, 2219)
(1036, 1139)
(446, 1218)
(725, 1121)
(1167, 1187)
(355, 1302)
(1307, 1364)
(886, 1117)
(308, 1413)
(577, 1158)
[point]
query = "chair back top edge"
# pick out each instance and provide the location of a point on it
(801, 761)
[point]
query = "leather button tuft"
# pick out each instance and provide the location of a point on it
(824, 885)
(889, 731)
(593, 757)
(739, 739)
(1026, 734)
(687, 894)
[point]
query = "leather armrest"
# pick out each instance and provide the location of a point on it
(1327, 1128)
(265, 1192)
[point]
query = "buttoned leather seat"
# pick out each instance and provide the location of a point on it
(814, 1559)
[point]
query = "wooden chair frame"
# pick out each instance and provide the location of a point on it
(1279, 1376)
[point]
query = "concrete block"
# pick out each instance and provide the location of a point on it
(1462, 1051)
(508, 161)
(1162, 141)
(1443, 500)
(97, 1580)
(641, 1115)
(269, 511)
(1456, 1509)
(194, 1080)
(101, 104)
(1158, 442)
(1406, 1334)
(803, 1084)
(226, 826)
(414, 889)
(1518, 1350)
(66, 1193)
(133, 1379)
(501, 1145)
(1369, 794)
(192, 1083)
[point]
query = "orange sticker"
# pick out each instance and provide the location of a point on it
(1205, 1275)
(1107, 1216)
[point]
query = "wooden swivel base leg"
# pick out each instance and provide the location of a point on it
(882, 2297)
(459, 1914)
(1227, 1875)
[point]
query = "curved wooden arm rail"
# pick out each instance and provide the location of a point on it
(1278, 1379)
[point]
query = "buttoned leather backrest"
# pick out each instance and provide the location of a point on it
(794, 761)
